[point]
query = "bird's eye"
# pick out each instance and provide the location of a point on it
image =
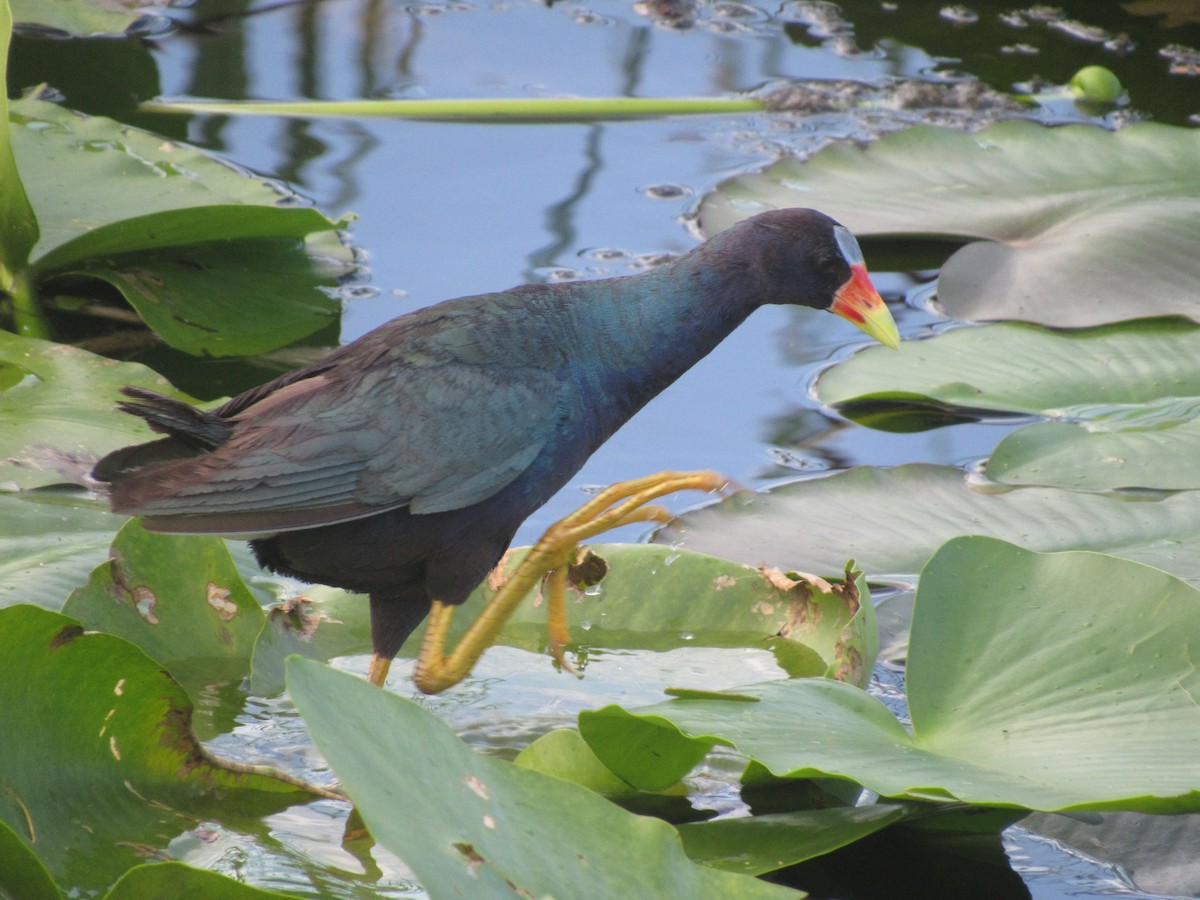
(828, 265)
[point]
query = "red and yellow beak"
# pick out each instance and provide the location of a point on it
(858, 302)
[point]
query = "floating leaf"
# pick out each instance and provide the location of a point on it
(52, 540)
(22, 875)
(1013, 367)
(188, 240)
(88, 18)
(651, 596)
(1128, 395)
(180, 882)
(564, 754)
(18, 228)
(180, 599)
(906, 512)
(1033, 681)
(57, 411)
(98, 757)
(1081, 225)
(754, 845)
(488, 828)
(321, 623)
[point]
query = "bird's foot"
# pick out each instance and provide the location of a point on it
(623, 503)
(378, 672)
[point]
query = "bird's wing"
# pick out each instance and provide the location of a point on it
(442, 425)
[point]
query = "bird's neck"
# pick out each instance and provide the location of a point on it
(640, 334)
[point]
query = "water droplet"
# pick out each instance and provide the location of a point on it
(959, 15)
(560, 274)
(357, 292)
(604, 254)
(666, 191)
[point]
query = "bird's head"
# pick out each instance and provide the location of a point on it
(806, 258)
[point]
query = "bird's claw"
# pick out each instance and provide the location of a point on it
(620, 504)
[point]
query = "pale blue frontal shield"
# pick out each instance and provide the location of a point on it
(848, 245)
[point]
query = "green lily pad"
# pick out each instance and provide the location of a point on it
(1033, 681)
(321, 623)
(1011, 367)
(904, 514)
(52, 540)
(1128, 396)
(651, 598)
(18, 228)
(98, 757)
(57, 412)
(564, 754)
(22, 875)
(655, 598)
(180, 599)
(1080, 225)
(88, 18)
(488, 828)
(186, 239)
(1079, 456)
(173, 879)
(755, 845)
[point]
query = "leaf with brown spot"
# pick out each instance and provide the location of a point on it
(830, 616)
(652, 595)
(180, 599)
(87, 806)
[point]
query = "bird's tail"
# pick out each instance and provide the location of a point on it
(201, 429)
(189, 431)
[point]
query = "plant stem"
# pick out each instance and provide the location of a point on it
(29, 319)
(504, 109)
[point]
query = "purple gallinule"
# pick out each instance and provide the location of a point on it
(402, 464)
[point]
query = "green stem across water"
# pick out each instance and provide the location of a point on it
(503, 109)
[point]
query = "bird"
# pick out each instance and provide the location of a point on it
(402, 464)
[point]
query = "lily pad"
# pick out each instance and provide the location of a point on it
(100, 763)
(1033, 681)
(52, 540)
(1127, 397)
(89, 18)
(488, 828)
(173, 879)
(22, 875)
(18, 228)
(321, 623)
(180, 599)
(651, 597)
(1011, 367)
(902, 515)
(57, 412)
(755, 845)
(1127, 448)
(185, 238)
(1080, 225)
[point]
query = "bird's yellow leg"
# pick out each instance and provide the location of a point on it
(558, 635)
(378, 672)
(621, 504)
